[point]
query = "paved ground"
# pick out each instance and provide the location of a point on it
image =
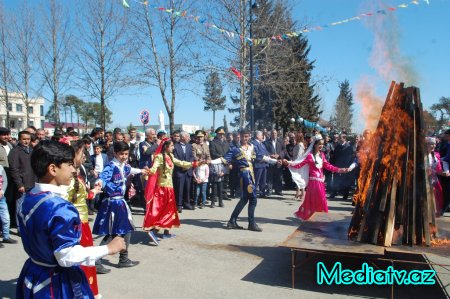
(207, 261)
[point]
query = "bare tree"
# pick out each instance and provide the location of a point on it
(5, 76)
(104, 58)
(165, 51)
(22, 56)
(54, 53)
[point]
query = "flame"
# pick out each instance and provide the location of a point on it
(440, 242)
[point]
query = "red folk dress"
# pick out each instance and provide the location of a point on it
(161, 206)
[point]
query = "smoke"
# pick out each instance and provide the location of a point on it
(386, 59)
(371, 104)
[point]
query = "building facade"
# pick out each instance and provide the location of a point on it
(17, 112)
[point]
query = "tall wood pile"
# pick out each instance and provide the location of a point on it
(394, 198)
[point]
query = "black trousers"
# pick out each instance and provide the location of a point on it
(182, 188)
(274, 175)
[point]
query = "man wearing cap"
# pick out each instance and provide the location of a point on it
(218, 147)
(200, 148)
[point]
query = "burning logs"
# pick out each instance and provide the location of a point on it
(394, 199)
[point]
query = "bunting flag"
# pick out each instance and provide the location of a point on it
(236, 72)
(279, 37)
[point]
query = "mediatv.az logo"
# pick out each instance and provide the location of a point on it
(367, 275)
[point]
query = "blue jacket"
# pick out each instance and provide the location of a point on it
(105, 160)
(180, 155)
(260, 151)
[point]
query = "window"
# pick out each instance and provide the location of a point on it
(12, 123)
(30, 110)
(42, 110)
(42, 123)
(9, 106)
(30, 123)
(19, 107)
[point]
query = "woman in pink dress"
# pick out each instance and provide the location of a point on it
(315, 197)
(434, 168)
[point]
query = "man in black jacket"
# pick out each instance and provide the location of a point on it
(276, 150)
(22, 174)
(181, 177)
(218, 147)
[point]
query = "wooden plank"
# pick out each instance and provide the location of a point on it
(389, 230)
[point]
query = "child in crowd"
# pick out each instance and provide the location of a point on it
(78, 193)
(50, 228)
(114, 216)
(201, 175)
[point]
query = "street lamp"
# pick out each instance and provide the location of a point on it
(252, 5)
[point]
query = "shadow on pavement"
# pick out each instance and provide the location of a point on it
(8, 288)
(207, 223)
(275, 270)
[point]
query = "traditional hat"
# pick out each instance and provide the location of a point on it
(220, 130)
(199, 133)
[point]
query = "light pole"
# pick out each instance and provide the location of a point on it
(252, 103)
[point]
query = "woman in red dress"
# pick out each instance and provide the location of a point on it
(161, 212)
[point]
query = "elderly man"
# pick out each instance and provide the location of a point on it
(182, 177)
(147, 148)
(276, 150)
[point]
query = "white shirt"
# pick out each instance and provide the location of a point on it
(98, 163)
(76, 255)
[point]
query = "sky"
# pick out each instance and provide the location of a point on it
(417, 37)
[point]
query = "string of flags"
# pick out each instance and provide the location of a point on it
(279, 37)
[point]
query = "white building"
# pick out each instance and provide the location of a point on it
(17, 112)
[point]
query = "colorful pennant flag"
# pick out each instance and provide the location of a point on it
(236, 72)
(279, 37)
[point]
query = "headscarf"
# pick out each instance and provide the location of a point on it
(301, 175)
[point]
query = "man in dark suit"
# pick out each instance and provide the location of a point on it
(260, 165)
(22, 174)
(276, 150)
(181, 177)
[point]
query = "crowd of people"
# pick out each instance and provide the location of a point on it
(67, 177)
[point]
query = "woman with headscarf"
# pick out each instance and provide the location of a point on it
(315, 197)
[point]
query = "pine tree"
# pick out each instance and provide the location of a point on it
(283, 89)
(342, 118)
(213, 98)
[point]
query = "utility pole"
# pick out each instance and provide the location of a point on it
(252, 103)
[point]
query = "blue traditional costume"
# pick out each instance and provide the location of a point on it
(50, 228)
(114, 216)
(243, 159)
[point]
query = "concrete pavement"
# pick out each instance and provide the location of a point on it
(207, 261)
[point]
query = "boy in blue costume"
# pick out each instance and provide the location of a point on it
(50, 229)
(114, 216)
